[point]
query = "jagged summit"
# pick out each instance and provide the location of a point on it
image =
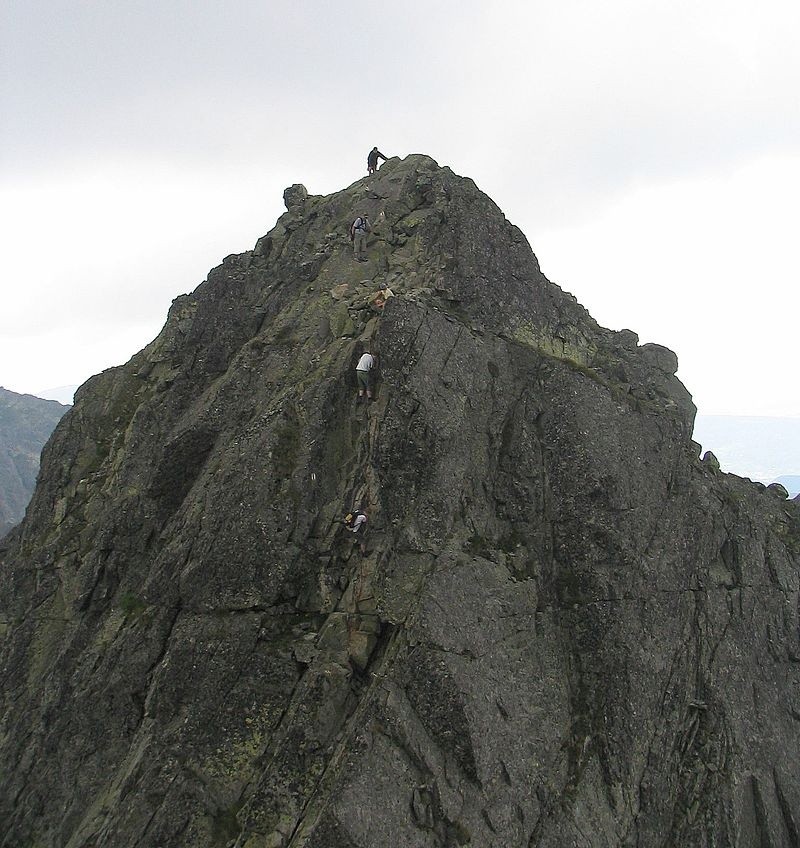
(566, 627)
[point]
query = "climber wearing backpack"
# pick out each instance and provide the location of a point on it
(358, 234)
(364, 376)
(372, 160)
(356, 522)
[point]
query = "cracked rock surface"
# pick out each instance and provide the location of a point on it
(566, 628)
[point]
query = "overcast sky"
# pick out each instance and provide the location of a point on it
(649, 150)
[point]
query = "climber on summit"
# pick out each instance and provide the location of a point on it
(372, 160)
(364, 377)
(358, 234)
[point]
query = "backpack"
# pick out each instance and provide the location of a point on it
(359, 224)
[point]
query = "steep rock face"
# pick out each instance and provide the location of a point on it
(26, 423)
(567, 629)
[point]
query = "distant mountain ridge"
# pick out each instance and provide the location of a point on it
(26, 423)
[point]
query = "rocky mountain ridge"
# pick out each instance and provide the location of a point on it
(567, 627)
(26, 423)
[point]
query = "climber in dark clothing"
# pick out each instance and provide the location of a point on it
(358, 235)
(372, 160)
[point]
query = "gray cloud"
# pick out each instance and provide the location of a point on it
(150, 139)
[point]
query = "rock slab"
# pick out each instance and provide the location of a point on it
(566, 629)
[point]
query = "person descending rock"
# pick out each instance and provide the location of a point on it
(378, 299)
(372, 160)
(375, 301)
(358, 234)
(356, 522)
(364, 375)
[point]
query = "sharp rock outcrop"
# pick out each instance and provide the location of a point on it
(566, 628)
